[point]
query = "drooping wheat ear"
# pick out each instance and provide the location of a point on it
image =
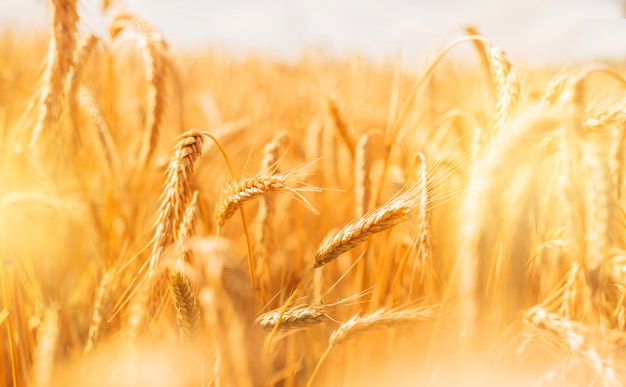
(383, 318)
(236, 194)
(186, 304)
(181, 289)
(154, 51)
(339, 124)
(96, 318)
(45, 352)
(393, 212)
(91, 108)
(553, 89)
(606, 115)
(295, 317)
(143, 27)
(62, 21)
(478, 45)
(362, 183)
(506, 89)
(176, 192)
(599, 210)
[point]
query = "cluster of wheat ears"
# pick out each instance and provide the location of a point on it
(330, 221)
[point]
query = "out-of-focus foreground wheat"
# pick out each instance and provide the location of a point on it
(201, 219)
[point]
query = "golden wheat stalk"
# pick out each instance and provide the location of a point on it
(393, 212)
(154, 51)
(63, 20)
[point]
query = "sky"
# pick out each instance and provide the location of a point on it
(535, 31)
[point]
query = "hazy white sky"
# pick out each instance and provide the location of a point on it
(531, 30)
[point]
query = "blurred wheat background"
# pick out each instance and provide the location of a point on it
(194, 215)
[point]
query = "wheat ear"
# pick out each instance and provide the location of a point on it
(506, 88)
(362, 183)
(186, 305)
(154, 51)
(62, 19)
(176, 194)
(236, 194)
(359, 230)
(340, 125)
(181, 289)
(295, 317)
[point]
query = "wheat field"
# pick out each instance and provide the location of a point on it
(178, 218)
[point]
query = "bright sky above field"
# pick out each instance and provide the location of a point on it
(530, 30)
